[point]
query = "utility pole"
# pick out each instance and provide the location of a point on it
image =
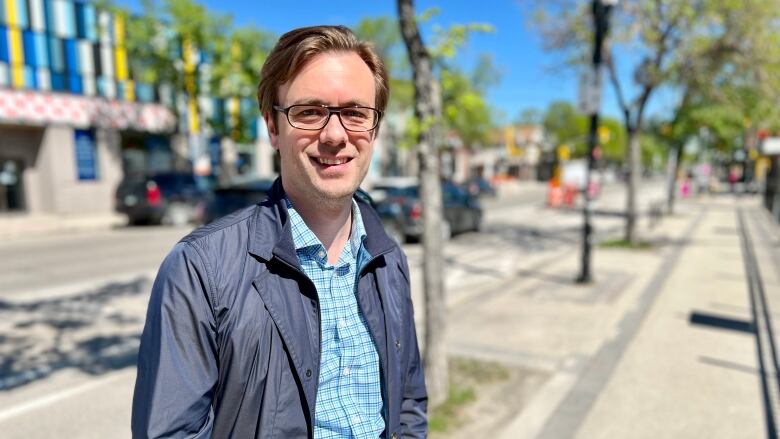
(601, 10)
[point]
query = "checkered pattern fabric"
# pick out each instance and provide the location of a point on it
(349, 396)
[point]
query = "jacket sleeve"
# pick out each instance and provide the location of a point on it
(177, 362)
(414, 407)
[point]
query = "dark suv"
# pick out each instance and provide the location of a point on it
(401, 196)
(167, 198)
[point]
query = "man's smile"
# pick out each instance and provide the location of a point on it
(331, 161)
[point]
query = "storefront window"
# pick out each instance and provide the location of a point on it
(86, 155)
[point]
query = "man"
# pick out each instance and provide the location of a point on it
(291, 318)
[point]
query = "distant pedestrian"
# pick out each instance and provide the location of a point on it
(685, 186)
(291, 318)
(733, 178)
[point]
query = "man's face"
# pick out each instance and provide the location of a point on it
(328, 164)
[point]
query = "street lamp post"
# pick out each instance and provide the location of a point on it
(601, 10)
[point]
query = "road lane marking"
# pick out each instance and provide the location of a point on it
(49, 399)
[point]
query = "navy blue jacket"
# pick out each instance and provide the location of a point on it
(232, 338)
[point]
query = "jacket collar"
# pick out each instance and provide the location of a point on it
(271, 235)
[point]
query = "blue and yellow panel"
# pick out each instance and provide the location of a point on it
(144, 92)
(43, 76)
(105, 27)
(71, 56)
(58, 81)
(120, 54)
(86, 57)
(56, 55)
(63, 18)
(30, 78)
(5, 48)
(106, 87)
(48, 15)
(5, 79)
(15, 12)
(37, 15)
(121, 63)
(74, 82)
(96, 59)
(35, 51)
(16, 57)
(89, 85)
(86, 21)
(106, 60)
(41, 50)
(126, 91)
(90, 22)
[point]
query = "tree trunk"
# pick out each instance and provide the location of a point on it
(427, 110)
(632, 185)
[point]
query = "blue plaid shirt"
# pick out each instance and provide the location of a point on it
(349, 395)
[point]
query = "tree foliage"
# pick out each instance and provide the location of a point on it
(463, 94)
(566, 126)
(701, 49)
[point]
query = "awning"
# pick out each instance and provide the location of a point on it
(23, 107)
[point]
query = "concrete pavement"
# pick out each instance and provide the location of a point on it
(15, 226)
(625, 355)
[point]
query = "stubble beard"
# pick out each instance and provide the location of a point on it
(332, 203)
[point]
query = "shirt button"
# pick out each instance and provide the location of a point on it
(346, 371)
(321, 254)
(356, 419)
(342, 324)
(308, 373)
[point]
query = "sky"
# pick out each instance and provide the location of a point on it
(530, 77)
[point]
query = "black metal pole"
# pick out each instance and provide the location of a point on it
(600, 20)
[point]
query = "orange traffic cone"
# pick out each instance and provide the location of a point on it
(569, 195)
(554, 195)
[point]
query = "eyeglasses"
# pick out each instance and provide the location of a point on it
(315, 117)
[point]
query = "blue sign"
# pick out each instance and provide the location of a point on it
(86, 155)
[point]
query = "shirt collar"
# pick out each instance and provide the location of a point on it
(304, 238)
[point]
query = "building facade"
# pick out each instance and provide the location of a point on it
(74, 119)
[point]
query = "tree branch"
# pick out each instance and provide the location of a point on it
(613, 78)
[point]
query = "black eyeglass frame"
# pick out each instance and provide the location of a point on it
(331, 112)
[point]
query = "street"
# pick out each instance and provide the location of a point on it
(72, 308)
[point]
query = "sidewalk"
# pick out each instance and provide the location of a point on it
(25, 225)
(623, 356)
(677, 379)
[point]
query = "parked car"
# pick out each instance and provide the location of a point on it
(401, 197)
(389, 214)
(247, 192)
(165, 198)
(237, 195)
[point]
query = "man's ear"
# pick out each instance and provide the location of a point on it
(273, 133)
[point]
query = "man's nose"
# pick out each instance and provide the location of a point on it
(333, 133)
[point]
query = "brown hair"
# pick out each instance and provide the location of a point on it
(298, 46)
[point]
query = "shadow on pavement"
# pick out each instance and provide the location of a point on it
(728, 365)
(721, 322)
(95, 331)
(530, 237)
